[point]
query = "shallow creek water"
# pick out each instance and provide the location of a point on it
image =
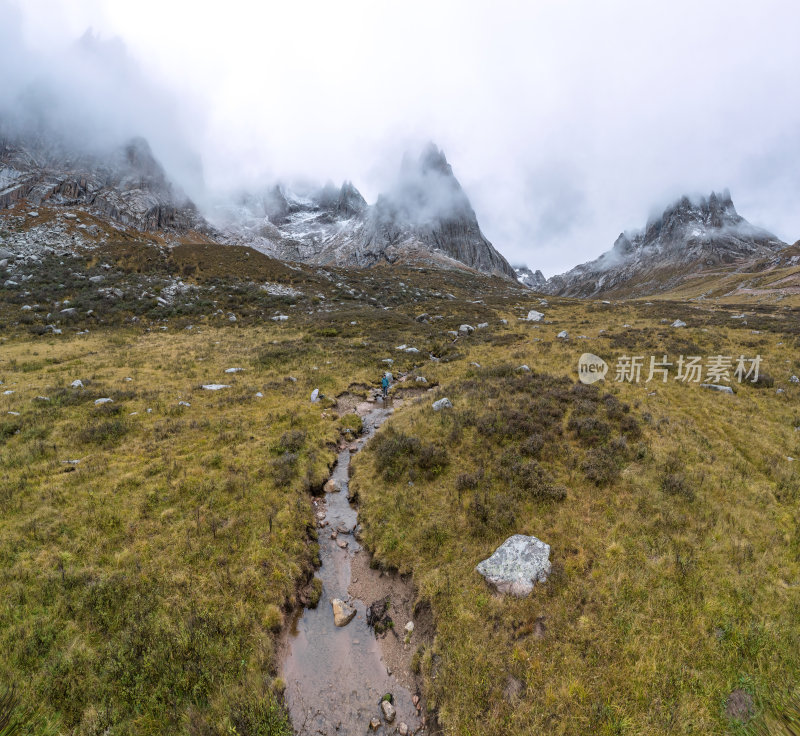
(335, 677)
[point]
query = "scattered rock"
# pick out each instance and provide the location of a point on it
(233, 370)
(342, 613)
(184, 403)
(717, 387)
(534, 316)
(378, 615)
(517, 565)
(739, 705)
(105, 400)
(215, 386)
(315, 396)
(388, 710)
(795, 379)
(524, 368)
(409, 627)
(679, 323)
(421, 379)
(279, 318)
(444, 403)
(513, 689)
(483, 325)
(466, 329)
(562, 335)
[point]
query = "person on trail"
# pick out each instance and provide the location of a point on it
(385, 385)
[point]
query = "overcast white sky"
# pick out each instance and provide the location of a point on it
(566, 122)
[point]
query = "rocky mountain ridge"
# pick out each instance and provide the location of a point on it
(425, 217)
(690, 234)
(126, 185)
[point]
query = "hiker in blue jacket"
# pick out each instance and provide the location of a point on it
(385, 385)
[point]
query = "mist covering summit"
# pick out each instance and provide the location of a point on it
(424, 217)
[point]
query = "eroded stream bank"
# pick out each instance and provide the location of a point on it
(336, 675)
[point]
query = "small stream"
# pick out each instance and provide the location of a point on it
(335, 677)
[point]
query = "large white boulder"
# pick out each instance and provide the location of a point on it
(517, 565)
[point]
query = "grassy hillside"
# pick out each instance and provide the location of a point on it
(672, 512)
(143, 588)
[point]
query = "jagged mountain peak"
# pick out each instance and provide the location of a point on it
(432, 159)
(532, 279)
(690, 234)
(424, 216)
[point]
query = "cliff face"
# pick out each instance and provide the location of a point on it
(426, 217)
(126, 185)
(689, 235)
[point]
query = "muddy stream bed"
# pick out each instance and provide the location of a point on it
(336, 676)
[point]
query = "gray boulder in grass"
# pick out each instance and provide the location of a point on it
(517, 565)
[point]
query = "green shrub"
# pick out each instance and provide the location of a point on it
(260, 716)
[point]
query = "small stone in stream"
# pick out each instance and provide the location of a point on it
(332, 486)
(342, 543)
(388, 711)
(334, 535)
(402, 729)
(374, 724)
(415, 701)
(342, 613)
